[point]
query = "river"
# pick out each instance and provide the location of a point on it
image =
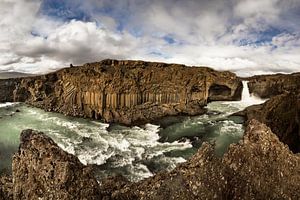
(135, 152)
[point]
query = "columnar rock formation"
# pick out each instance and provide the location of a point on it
(258, 167)
(127, 91)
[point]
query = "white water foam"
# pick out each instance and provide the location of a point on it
(135, 152)
(7, 104)
(247, 98)
(120, 147)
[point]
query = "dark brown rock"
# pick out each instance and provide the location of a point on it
(6, 188)
(41, 170)
(282, 114)
(266, 86)
(7, 87)
(127, 92)
(259, 167)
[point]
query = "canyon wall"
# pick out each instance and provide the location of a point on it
(282, 111)
(127, 92)
(266, 86)
(282, 114)
(7, 87)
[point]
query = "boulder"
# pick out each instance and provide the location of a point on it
(41, 170)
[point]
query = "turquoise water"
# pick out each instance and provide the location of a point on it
(135, 152)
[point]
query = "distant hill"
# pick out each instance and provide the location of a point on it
(5, 75)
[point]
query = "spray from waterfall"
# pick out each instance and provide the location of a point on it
(245, 94)
(247, 98)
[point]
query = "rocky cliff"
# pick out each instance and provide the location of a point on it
(282, 114)
(41, 170)
(7, 87)
(125, 91)
(266, 86)
(258, 167)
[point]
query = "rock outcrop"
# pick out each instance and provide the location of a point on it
(266, 86)
(258, 167)
(7, 87)
(126, 91)
(282, 114)
(41, 170)
(6, 188)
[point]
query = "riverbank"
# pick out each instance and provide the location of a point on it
(135, 152)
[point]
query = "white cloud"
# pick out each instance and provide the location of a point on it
(206, 33)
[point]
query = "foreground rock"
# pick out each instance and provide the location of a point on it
(127, 92)
(6, 188)
(266, 86)
(259, 167)
(41, 170)
(282, 114)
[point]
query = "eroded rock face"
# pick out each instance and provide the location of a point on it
(259, 167)
(266, 86)
(7, 87)
(6, 188)
(41, 170)
(282, 114)
(128, 91)
(262, 167)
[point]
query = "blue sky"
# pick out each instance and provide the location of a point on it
(245, 36)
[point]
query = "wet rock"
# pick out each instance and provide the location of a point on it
(128, 92)
(86, 139)
(41, 170)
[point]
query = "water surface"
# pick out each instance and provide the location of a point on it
(135, 152)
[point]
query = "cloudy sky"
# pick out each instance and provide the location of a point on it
(245, 36)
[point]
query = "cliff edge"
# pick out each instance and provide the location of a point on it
(127, 92)
(266, 86)
(282, 114)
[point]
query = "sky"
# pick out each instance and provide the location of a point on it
(244, 36)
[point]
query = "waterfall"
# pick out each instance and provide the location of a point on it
(247, 98)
